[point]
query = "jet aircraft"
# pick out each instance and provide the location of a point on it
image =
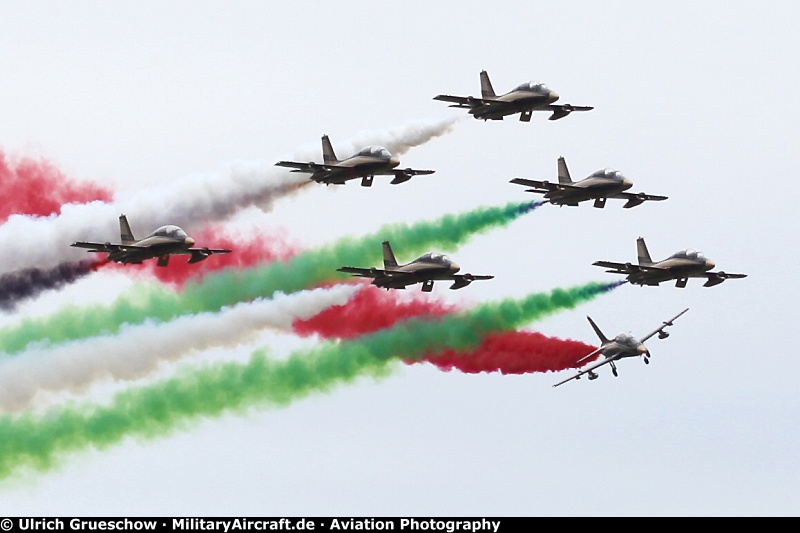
(622, 346)
(680, 266)
(163, 242)
(425, 269)
(525, 99)
(601, 185)
(366, 164)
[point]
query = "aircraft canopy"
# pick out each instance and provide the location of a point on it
(533, 86)
(375, 151)
(172, 232)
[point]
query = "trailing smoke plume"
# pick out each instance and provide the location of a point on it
(248, 252)
(306, 270)
(32, 187)
(188, 202)
(30, 282)
(370, 310)
(137, 351)
(36, 441)
(513, 352)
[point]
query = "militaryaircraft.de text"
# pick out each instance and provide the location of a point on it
(365, 165)
(163, 242)
(622, 346)
(525, 99)
(601, 185)
(426, 269)
(680, 266)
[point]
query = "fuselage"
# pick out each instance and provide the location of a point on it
(431, 266)
(370, 161)
(527, 96)
(622, 346)
(163, 241)
(602, 184)
(683, 264)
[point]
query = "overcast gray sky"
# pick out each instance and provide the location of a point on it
(693, 100)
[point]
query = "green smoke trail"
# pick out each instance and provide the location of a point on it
(38, 441)
(228, 287)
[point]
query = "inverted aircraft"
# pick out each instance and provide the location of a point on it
(162, 243)
(622, 346)
(426, 269)
(525, 99)
(599, 186)
(366, 164)
(680, 266)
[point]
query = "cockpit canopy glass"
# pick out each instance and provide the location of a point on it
(432, 257)
(692, 255)
(172, 232)
(609, 173)
(375, 151)
(533, 86)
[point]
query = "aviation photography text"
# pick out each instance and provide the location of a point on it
(226, 525)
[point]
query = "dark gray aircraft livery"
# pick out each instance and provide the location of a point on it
(680, 266)
(365, 165)
(600, 186)
(525, 99)
(426, 269)
(622, 346)
(163, 242)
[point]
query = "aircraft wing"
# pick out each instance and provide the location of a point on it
(663, 326)
(627, 268)
(586, 370)
(464, 101)
(306, 167)
(715, 278)
(364, 272)
(405, 174)
(107, 247)
(206, 251)
(545, 186)
(462, 280)
(562, 110)
(635, 199)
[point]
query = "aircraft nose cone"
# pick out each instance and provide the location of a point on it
(454, 267)
(394, 161)
(710, 264)
(188, 241)
(553, 96)
(641, 349)
(627, 183)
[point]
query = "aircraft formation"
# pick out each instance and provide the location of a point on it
(373, 161)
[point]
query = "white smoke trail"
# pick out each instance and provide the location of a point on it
(140, 350)
(189, 202)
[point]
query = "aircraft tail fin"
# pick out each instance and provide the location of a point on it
(563, 172)
(596, 329)
(328, 157)
(486, 86)
(644, 255)
(389, 262)
(125, 233)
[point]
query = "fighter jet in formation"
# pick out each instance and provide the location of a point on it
(163, 242)
(601, 185)
(366, 164)
(525, 99)
(679, 266)
(425, 269)
(622, 346)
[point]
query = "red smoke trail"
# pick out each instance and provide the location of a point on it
(513, 352)
(31, 187)
(247, 251)
(508, 352)
(369, 310)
